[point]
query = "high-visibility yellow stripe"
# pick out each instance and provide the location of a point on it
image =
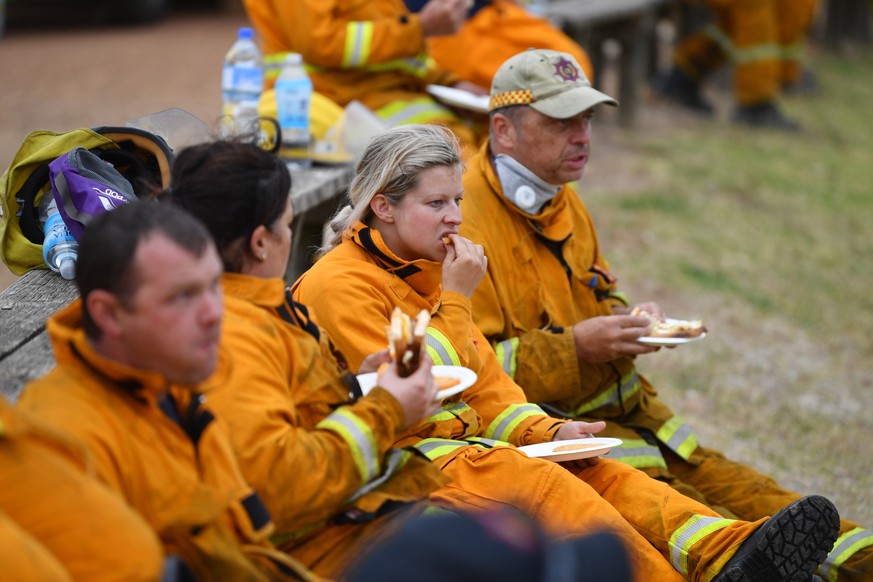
(420, 110)
(628, 386)
(692, 531)
(448, 411)
(638, 454)
(793, 51)
(435, 448)
(440, 349)
(273, 65)
(359, 39)
(394, 461)
(844, 548)
(502, 426)
(359, 437)
(677, 435)
(507, 353)
(746, 55)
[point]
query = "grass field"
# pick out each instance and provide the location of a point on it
(764, 236)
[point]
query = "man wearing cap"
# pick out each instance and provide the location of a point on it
(570, 342)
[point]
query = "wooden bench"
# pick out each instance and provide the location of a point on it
(25, 351)
(631, 23)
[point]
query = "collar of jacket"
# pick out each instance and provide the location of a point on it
(72, 348)
(424, 276)
(552, 221)
(256, 290)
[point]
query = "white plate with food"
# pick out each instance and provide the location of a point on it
(460, 98)
(571, 449)
(456, 379)
(671, 332)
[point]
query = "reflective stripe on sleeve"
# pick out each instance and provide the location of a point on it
(359, 39)
(420, 110)
(638, 454)
(440, 349)
(359, 437)
(691, 532)
(448, 411)
(507, 353)
(435, 448)
(502, 426)
(628, 387)
(677, 435)
(844, 548)
(393, 462)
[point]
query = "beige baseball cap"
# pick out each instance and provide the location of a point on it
(551, 82)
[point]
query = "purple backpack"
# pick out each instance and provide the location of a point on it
(85, 186)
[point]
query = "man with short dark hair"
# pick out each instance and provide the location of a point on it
(549, 305)
(126, 387)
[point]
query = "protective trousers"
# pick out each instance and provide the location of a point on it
(762, 39)
(669, 536)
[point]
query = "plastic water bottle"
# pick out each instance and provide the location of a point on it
(242, 80)
(59, 249)
(293, 95)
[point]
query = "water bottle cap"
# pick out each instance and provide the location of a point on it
(246, 33)
(293, 59)
(67, 267)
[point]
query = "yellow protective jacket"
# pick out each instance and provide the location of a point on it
(366, 281)
(529, 322)
(163, 451)
(373, 52)
(354, 288)
(319, 459)
(51, 504)
(762, 39)
(497, 31)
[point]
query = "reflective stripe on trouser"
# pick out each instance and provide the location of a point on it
(677, 435)
(629, 385)
(638, 454)
(507, 353)
(416, 66)
(501, 427)
(440, 349)
(691, 532)
(435, 448)
(421, 110)
(844, 548)
(360, 439)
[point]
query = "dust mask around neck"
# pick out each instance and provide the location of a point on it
(521, 186)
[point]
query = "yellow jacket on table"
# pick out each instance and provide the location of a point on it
(373, 52)
(324, 463)
(57, 521)
(546, 272)
(353, 290)
(163, 451)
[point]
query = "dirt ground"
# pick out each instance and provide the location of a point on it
(61, 78)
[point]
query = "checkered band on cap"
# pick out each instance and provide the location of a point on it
(520, 97)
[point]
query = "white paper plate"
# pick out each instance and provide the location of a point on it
(595, 447)
(460, 98)
(669, 341)
(466, 376)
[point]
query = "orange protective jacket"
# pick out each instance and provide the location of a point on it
(163, 451)
(366, 281)
(373, 52)
(530, 323)
(363, 267)
(320, 460)
(50, 503)
(496, 32)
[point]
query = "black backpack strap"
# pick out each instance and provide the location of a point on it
(29, 219)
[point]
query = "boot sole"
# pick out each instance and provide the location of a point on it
(790, 546)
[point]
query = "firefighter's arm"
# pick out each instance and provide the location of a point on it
(326, 38)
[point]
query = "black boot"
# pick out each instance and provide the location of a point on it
(764, 115)
(682, 90)
(788, 547)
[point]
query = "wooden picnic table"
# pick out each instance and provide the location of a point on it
(25, 351)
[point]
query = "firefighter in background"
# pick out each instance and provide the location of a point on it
(494, 31)
(762, 40)
(374, 52)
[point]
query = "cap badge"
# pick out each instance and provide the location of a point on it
(566, 70)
